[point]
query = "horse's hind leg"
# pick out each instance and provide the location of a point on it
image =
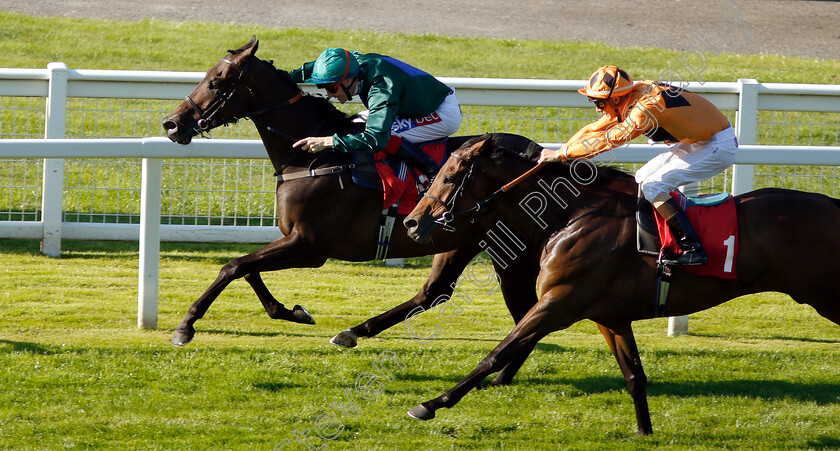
(446, 268)
(537, 323)
(274, 308)
(291, 251)
(622, 343)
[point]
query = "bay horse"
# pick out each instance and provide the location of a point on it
(321, 217)
(590, 267)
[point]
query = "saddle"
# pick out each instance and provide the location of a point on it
(398, 182)
(715, 221)
(713, 217)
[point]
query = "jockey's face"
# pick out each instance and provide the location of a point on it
(612, 107)
(345, 91)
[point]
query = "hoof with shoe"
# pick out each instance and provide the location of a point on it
(421, 413)
(345, 339)
(183, 336)
(302, 316)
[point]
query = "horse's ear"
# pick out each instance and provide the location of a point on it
(248, 49)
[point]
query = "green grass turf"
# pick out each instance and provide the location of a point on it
(755, 373)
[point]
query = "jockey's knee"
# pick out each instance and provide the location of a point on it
(656, 191)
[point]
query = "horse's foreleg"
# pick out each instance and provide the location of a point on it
(539, 322)
(185, 331)
(622, 343)
(446, 268)
(288, 252)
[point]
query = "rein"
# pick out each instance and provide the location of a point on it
(448, 216)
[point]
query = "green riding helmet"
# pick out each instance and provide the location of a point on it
(333, 66)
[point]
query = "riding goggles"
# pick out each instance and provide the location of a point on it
(331, 88)
(599, 103)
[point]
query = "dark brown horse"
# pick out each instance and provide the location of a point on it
(590, 268)
(322, 217)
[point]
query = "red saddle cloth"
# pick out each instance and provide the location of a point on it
(399, 185)
(717, 227)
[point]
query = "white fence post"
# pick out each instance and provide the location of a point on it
(148, 284)
(677, 325)
(746, 124)
(52, 190)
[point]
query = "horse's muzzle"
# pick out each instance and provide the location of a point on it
(420, 227)
(176, 131)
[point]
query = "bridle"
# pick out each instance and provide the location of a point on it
(207, 117)
(207, 120)
(449, 216)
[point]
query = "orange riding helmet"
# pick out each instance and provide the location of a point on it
(607, 82)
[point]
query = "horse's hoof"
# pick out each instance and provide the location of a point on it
(345, 339)
(421, 413)
(302, 316)
(183, 336)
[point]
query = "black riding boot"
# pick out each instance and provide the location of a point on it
(693, 253)
(414, 157)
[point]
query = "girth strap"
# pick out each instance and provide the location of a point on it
(317, 172)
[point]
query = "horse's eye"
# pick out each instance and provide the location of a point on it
(214, 84)
(449, 179)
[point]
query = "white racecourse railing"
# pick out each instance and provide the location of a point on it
(57, 85)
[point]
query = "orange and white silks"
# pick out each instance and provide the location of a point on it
(660, 111)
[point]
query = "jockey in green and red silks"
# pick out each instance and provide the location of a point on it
(401, 100)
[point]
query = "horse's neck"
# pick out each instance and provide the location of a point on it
(279, 131)
(553, 197)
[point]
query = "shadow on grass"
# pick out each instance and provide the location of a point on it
(747, 388)
(32, 348)
(824, 443)
(773, 337)
(276, 387)
(235, 333)
(220, 253)
(213, 253)
(362, 340)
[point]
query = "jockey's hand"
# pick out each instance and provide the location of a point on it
(315, 144)
(549, 156)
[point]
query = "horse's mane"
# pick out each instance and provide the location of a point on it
(331, 114)
(531, 154)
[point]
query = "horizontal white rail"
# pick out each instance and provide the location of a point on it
(34, 230)
(131, 148)
(253, 149)
(95, 83)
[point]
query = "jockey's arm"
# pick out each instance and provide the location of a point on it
(605, 134)
(382, 111)
(302, 73)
